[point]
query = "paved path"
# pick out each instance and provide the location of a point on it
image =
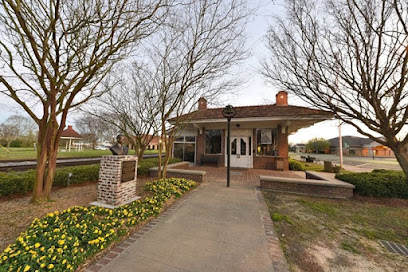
(215, 229)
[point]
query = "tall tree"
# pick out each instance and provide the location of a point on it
(54, 53)
(92, 129)
(349, 57)
(318, 145)
(192, 56)
(128, 107)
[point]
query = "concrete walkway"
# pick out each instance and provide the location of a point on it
(215, 229)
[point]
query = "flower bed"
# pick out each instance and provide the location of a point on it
(61, 241)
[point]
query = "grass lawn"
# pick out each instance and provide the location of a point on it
(18, 153)
(319, 234)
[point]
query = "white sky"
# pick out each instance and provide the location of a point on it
(255, 90)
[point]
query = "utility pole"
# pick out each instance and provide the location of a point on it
(340, 145)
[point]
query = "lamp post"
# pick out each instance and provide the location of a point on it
(228, 113)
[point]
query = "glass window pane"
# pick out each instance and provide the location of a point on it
(213, 141)
(189, 152)
(243, 147)
(178, 151)
(179, 139)
(266, 141)
(190, 139)
(234, 147)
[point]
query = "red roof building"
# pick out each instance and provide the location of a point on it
(259, 134)
(70, 138)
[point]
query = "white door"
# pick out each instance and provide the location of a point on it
(240, 152)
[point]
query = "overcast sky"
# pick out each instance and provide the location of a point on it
(255, 90)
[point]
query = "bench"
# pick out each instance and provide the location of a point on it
(215, 160)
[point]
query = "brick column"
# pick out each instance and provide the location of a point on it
(112, 192)
(200, 142)
(283, 147)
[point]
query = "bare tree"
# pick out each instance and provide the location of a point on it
(14, 127)
(128, 106)
(23, 125)
(192, 56)
(8, 133)
(53, 55)
(91, 128)
(349, 57)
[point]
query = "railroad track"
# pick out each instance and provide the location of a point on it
(23, 165)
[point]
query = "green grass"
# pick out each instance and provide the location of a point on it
(309, 166)
(351, 225)
(19, 153)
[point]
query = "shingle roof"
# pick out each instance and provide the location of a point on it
(70, 133)
(352, 141)
(255, 111)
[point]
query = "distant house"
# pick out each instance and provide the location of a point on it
(259, 134)
(299, 148)
(153, 144)
(71, 139)
(360, 146)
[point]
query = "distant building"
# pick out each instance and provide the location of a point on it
(299, 148)
(71, 139)
(153, 144)
(359, 146)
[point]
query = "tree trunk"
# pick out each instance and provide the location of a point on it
(402, 157)
(47, 153)
(38, 192)
(140, 155)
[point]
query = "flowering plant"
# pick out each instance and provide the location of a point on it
(61, 241)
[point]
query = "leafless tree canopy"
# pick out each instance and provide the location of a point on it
(53, 54)
(128, 107)
(191, 56)
(349, 57)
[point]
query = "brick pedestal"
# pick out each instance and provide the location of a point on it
(117, 185)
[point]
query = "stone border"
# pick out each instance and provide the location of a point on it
(315, 184)
(275, 251)
(114, 252)
(173, 172)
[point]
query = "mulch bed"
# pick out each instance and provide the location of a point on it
(17, 213)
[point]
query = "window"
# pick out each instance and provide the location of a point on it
(267, 142)
(213, 141)
(184, 148)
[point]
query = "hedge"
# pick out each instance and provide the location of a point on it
(146, 164)
(378, 183)
(62, 241)
(22, 182)
(295, 165)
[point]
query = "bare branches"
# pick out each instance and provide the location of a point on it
(349, 57)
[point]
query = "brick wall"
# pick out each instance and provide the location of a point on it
(307, 189)
(283, 148)
(111, 191)
(270, 162)
(200, 146)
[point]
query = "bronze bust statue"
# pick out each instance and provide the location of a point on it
(118, 148)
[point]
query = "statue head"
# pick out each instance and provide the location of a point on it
(120, 139)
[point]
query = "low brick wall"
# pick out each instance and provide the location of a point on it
(314, 187)
(179, 170)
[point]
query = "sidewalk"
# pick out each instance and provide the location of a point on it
(215, 229)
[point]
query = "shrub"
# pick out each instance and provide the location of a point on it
(378, 183)
(23, 182)
(295, 165)
(64, 240)
(146, 164)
